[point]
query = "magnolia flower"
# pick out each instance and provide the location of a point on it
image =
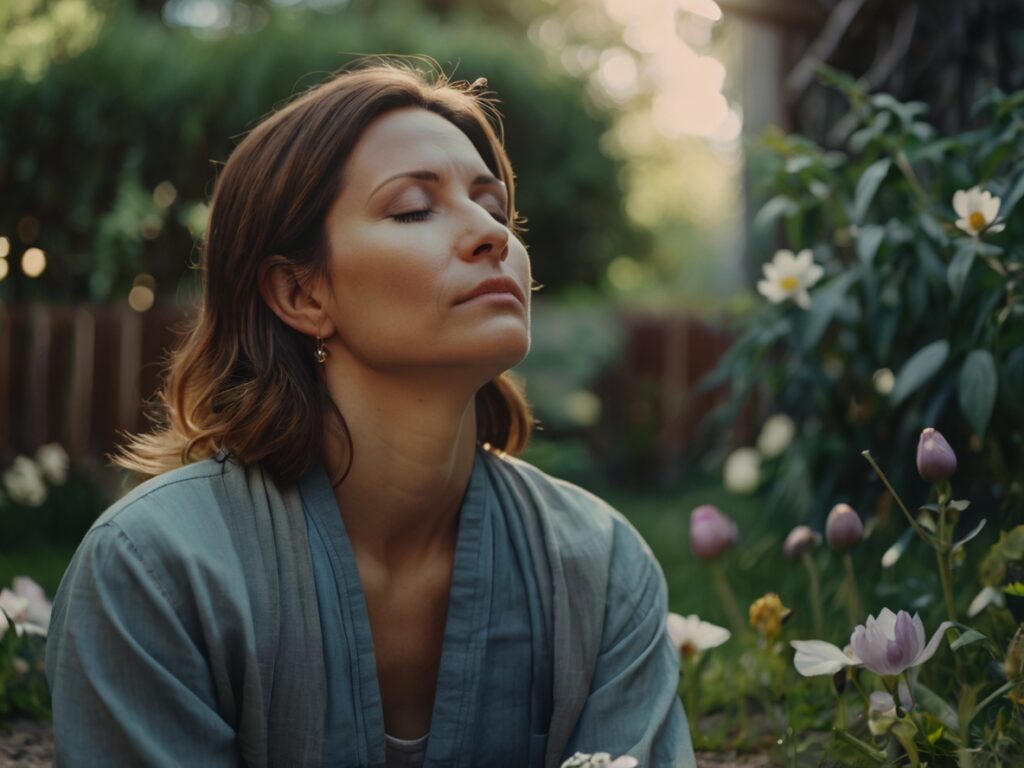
(711, 532)
(881, 713)
(977, 210)
(800, 541)
(843, 528)
(893, 643)
(691, 635)
(935, 458)
(816, 657)
(742, 470)
(776, 435)
(788, 277)
(53, 462)
(26, 606)
(767, 614)
(600, 760)
(24, 482)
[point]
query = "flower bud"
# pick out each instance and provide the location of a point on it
(711, 532)
(935, 459)
(800, 541)
(881, 713)
(843, 528)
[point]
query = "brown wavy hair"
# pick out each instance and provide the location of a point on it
(245, 382)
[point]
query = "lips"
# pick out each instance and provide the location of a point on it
(494, 285)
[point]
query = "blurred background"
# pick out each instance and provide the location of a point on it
(664, 150)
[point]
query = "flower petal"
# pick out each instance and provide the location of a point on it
(770, 291)
(960, 204)
(965, 225)
(802, 299)
(995, 229)
(816, 657)
(933, 644)
(814, 274)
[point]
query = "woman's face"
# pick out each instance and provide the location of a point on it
(423, 268)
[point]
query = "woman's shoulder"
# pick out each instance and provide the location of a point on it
(579, 519)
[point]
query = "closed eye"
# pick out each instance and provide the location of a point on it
(412, 215)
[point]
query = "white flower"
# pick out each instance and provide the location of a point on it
(691, 635)
(53, 462)
(776, 435)
(742, 470)
(816, 657)
(788, 277)
(27, 606)
(24, 482)
(977, 210)
(599, 760)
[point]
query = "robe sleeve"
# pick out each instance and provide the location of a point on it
(633, 707)
(130, 684)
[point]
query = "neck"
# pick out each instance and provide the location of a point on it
(413, 447)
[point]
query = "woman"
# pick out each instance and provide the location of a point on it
(336, 562)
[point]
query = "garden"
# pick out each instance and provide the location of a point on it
(817, 427)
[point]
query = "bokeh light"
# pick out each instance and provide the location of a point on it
(4, 269)
(33, 262)
(164, 194)
(5, 247)
(884, 380)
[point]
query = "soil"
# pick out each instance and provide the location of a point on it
(29, 744)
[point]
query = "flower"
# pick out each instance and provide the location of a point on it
(893, 643)
(599, 760)
(742, 470)
(24, 482)
(977, 210)
(53, 462)
(800, 541)
(767, 614)
(691, 635)
(776, 435)
(935, 458)
(26, 605)
(816, 657)
(711, 532)
(843, 528)
(788, 277)
(881, 713)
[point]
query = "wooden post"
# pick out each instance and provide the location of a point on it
(129, 368)
(40, 331)
(82, 374)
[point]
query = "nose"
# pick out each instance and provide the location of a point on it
(485, 237)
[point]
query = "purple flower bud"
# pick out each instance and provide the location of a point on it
(935, 459)
(843, 528)
(800, 541)
(711, 532)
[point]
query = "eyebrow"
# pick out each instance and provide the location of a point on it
(483, 179)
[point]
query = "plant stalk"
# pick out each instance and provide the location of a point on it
(725, 594)
(852, 595)
(885, 480)
(812, 574)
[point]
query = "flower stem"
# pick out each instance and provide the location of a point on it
(1001, 690)
(727, 597)
(812, 574)
(841, 714)
(945, 557)
(690, 683)
(885, 480)
(852, 595)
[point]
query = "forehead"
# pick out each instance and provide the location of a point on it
(411, 139)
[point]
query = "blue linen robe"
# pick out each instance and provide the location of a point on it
(211, 619)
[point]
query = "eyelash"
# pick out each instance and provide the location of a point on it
(422, 215)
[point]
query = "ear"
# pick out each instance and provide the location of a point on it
(297, 302)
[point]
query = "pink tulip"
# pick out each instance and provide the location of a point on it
(711, 532)
(843, 528)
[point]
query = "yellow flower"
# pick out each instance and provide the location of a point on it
(767, 614)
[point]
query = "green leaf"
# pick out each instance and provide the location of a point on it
(827, 301)
(916, 372)
(867, 186)
(932, 228)
(1014, 192)
(960, 267)
(780, 205)
(977, 389)
(869, 238)
(895, 552)
(974, 532)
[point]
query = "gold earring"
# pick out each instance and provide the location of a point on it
(321, 351)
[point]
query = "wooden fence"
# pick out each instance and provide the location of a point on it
(78, 376)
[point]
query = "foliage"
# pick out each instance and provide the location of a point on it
(84, 150)
(915, 323)
(23, 689)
